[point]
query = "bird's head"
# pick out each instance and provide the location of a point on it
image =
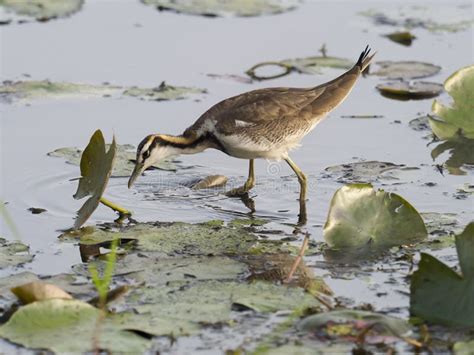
(152, 149)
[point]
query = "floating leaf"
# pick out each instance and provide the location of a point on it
(13, 253)
(39, 291)
(309, 65)
(124, 159)
(12, 91)
(360, 216)
(96, 167)
(461, 153)
(47, 325)
(36, 210)
(420, 123)
(364, 171)
(210, 182)
(357, 321)
(163, 92)
(404, 38)
(405, 70)
(439, 18)
(463, 347)
(41, 10)
(182, 309)
(440, 295)
(213, 8)
(402, 90)
(456, 120)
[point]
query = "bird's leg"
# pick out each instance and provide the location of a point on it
(120, 210)
(302, 180)
(249, 184)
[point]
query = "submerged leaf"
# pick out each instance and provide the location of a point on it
(440, 295)
(360, 217)
(39, 291)
(210, 182)
(402, 90)
(47, 325)
(405, 70)
(42, 10)
(124, 157)
(389, 325)
(225, 7)
(456, 120)
(96, 167)
(163, 92)
(364, 171)
(461, 153)
(13, 253)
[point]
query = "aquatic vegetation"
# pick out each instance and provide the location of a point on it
(38, 291)
(403, 90)
(362, 217)
(456, 120)
(13, 253)
(213, 8)
(438, 294)
(404, 70)
(404, 38)
(40, 10)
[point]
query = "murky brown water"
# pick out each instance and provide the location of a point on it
(127, 43)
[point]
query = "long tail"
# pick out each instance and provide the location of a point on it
(364, 59)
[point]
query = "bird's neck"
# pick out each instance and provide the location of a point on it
(185, 144)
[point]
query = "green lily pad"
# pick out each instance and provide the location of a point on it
(389, 325)
(41, 10)
(364, 171)
(96, 167)
(360, 216)
(12, 91)
(13, 254)
(308, 65)
(404, 38)
(183, 309)
(73, 320)
(438, 294)
(403, 90)
(214, 8)
(461, 153)
(456, 120)
(440, 223)
(124, 157)
(437, 18)
(405, 70)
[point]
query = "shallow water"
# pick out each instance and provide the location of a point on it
(126, 43)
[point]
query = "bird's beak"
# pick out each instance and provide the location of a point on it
(137, 171)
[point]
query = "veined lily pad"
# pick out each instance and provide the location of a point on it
(123, 165)
(13, 253)
(441, 295)
(67, 319)
(29, 90)
(364, 171)
(360, 216)
(405, 70)
(404, 38)
(456, 120)
(41, 10)
(436, 18)
(96, 167)
(309, 65)
(402, 90)
(225, 7)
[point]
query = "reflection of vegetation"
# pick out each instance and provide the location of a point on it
(461, 153)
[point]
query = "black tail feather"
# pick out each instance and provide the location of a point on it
(363, 56)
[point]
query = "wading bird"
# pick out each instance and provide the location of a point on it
(264, 123)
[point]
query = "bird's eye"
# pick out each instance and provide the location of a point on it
(146, 154)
